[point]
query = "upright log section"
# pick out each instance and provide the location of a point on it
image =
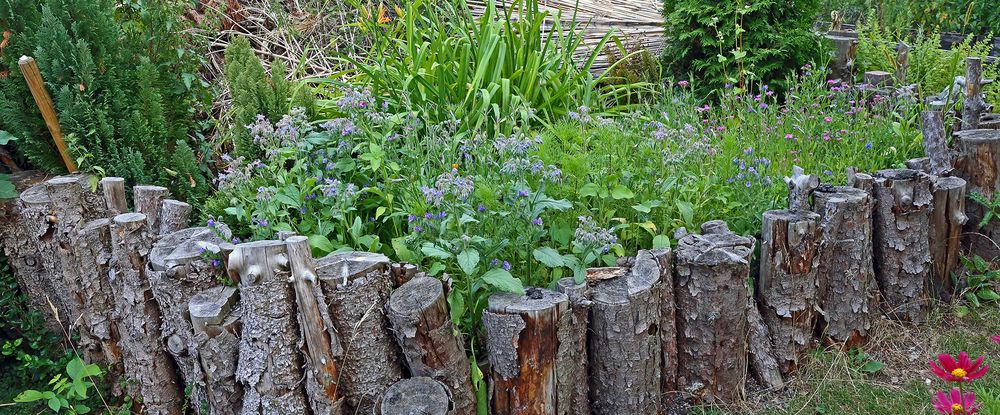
(901, 251)
(668, 325)
(215, 317)
(711, 272)
(174, 216)
(416, 396)
(571, 358)
(356, 286)
(947, 219)
(270, 366)
(148, 201)
(978, 162)
(788, 286)
(418, 311)
(935, 142)
(625, 345)
(522, 340)
(974, 105)
(846, 273)
(157, 389)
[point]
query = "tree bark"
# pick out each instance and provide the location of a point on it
(788, 284)
(157, 389)
(322, 348)
(974, 104)
(174, 216)
(216, 320)
(842, 65)
(763, 363)
(422, 326)
(573, 387)
(98, 335)
(901, 251)
(625, 346)
(711, 272)
(846, 273)
(416, 396)
(668, 324)
(114, 194)
(148, 200)
(403, 273)
(800, 187)
(947, 219)
(935, 142)
(863, 181)
(270, 367)
(356, 286)
(522, 341)
(978, 162)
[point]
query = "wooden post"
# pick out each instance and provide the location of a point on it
(711, 273)
(573, 387)
(148, 201)
(901, 252)
(157, 389)
(418, 395)
(418, 311)
(902, 63)
(935, 142)
(842, 65)
(215, 319)
(800, 187)
(114, 194)
(788, 283)
(34, 79)
(270, 366)
(878, 78)
(668, 326)
(974, 104)
(322, 346)
(947, 219)
(978, 162)
(522, 339)
(174, 216)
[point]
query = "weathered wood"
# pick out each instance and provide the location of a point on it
(935, 142)
(148, 200)
(668, 324)
(322, 348)
(416, 396)
(947, 219)
(878, 78)
(800, 187)
(710, 277)
(974, 104)
(418, 311)
(901, 252)
(788, 286)
(356, 286)
(31, 251)
(763, 363)
(902, 62)
(522, 338)
(270, 366)
(174, 216)
(156, 389)
(114, 194)
(98, 336)
(863, 181)
(215, 318)
(842, 65)
(573, 386)
(402, 273)
(846, 273)
(990, 121)
(33, 77)
(978, 163)
(66, 215)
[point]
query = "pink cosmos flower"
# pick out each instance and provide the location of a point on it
(682, 83)
(954, 403)
(963, 370)
(996, 339)
(828, 119)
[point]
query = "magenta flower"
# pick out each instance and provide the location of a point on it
(996, 339)
(962, 370)
(828, 119)
(789, 136)
(954, 403)
(682, 83)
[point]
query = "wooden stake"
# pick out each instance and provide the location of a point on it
(34, 79)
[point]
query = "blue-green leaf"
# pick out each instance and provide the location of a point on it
(468, 260)
(548, 256)
(501, 279)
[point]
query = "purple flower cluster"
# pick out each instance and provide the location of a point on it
(581, 115)
(752, 171)
(589, 234)
(449, 183)
(516, 149)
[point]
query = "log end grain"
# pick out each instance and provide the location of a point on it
(416, 396)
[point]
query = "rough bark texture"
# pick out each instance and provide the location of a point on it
(522, 339)
(157, 388)
(901, 252)
(174, 216)
(947, 219)
(320, 347)
(416, 396)
(403, 273)
(98, 335)
(356, 286)
(878, 78)
(30, 246)
(846, 274)
(921, 164)
(990, 121)
(270, 367)
(800, 187)
(863, 181)
(573, 387)
(216, 320)
(180, 267)
(148, 200)
(974, 105)
(668, 323)
(418, 311)
(842, 65)
(624, 344)
(978, 162)
(902, 62)
(763, 363)
(114, 194)
(788, 286)
(710, 278)
(935, 142)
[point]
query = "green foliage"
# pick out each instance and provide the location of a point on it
(980, 282)
(124, 82)
(66, 393)
(739, 42)
(978, 17)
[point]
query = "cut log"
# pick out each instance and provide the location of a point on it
(947, 219)
(974, 105)
(935, 142)
(114, 194)
(901, 252)
(174, 216)
(763, 363)
(356, 286)
(625, 348)
(990, 121)
(978, 162)
(921, 164)
(322, 348)
(402, 273)
(215, 318)
(842, 65)
(416, 396)
(270, 366)
(148, 201)
(800, 187)
(422, 326)
(157, 388)
(846, 274)
(66, 215)
(861, 181)
(788, 285)
(522, 339)
(31, 251)
(902, 62)
(710, 277)
(878, 78)
(573, 387)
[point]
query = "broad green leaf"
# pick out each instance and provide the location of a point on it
(29, 395)
(75, 369)
(435, 269)
(287, 200)
(988, 294)
(466, 219)
(589, 190)
(468, 260)
(457, 304)
(872, 367)
(321, 243)
(434, 251)
(7, 189)
(687, 211)
(82, 409)
(661, 241)
(500, 278)
(548, 256)
(6, 138)
(54, 404)
(403, 252)
(620, 192)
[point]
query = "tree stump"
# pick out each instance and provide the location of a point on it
(174, 216)
(68, 212)
(800, 187)
(98, 335)
(625, 349)
(978, 162)
(846, 273)
(416, 396)
(148, 201)
(711, 272)
(216, 321)
(356, 286)
(522, 340)
(901, 251)
(114, 194)
(974, 105)
(947, 219)
(418, 311)
(157, 389)
(788, 284)
(270, 366)
(573, 387)
(861, 181)
(842, 65)
(763, 363)
(878, 78)
(180, 267)
(668, 324)
(935, 142)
